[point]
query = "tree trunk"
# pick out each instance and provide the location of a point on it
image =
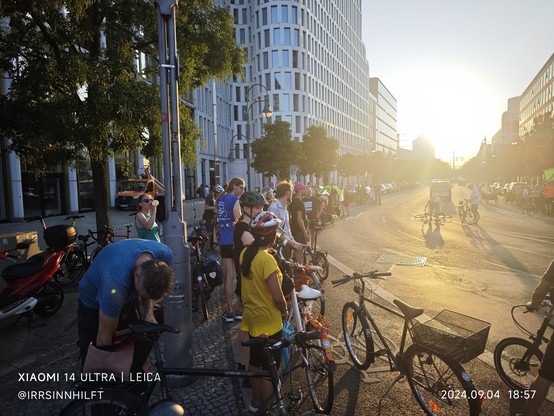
(101, 196)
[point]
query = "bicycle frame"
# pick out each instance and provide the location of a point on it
(394, 361)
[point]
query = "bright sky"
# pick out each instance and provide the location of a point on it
(452, 65)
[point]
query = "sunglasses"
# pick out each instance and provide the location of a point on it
(146, 200)
(240, 186)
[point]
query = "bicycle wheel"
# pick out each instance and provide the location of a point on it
(320, 259)
(71, 268)
(440, 385)
(320, 379)
(108, 404)
(203, 301)
(95, 253)
(356, 335)
(516, 362)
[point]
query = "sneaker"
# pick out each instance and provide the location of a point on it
(228, 317)
(254, 407)
(238, 315)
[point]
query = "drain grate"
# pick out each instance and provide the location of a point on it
(402, 260)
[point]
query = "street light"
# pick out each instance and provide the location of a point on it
(232, 150)
(266, 112)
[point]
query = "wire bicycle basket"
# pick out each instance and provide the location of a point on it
(453, 335)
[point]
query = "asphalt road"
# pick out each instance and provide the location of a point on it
(479, 270)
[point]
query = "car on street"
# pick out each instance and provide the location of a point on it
(442, 188)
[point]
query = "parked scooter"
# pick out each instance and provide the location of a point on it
(29, 285)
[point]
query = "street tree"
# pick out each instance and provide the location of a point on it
(76, 90)
(276, 151)
(319, 153)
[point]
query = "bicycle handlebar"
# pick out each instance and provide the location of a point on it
(374, 274)
(299, 338)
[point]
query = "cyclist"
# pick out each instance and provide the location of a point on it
(209, 212)
(145, 220)
(434, 203)
(251, 204)
(297, 211)
(121, 286)
(283, 193)
(265, 306)
(545, 378)
(475, 200)
(228, 213)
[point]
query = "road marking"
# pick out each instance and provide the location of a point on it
(411, 236)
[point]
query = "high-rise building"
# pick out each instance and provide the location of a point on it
(386, 136)
(307, 58)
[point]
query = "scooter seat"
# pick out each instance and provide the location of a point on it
(31, 266)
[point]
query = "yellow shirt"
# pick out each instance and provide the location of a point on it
(260, 315)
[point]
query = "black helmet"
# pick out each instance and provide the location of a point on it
(252, 199)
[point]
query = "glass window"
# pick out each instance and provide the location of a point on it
(295, 59)
(274, 18)
(278, 81)
(286, 33)
(276, 102)
(295, 102)
(266, 60)
(294, 15)
(276, 37)
(275, 59)
(288, 80)
(264, 16)
(296, 81)
(266, 38)
(285, 103)
(244, 16)
(296, 37)
(285, 14)
(286, 59)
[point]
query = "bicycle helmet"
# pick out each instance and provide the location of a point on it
(252, 199)
(265, 224)
(325, 196)
(218, 188)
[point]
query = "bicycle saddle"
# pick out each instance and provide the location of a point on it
(408, 311)
(146, 327)
(307, 293)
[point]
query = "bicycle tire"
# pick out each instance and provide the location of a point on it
(203, 302)
(356, 334)
(440, 385)
(95, 252)
(319, 377)
(71, 268)
(320, 259)
(108, 404)
(514, 365)
(427, 209)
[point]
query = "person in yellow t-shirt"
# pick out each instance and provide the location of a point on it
(264, 305)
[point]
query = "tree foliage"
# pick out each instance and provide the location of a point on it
(75, 92)
(275, 152)
(319, 153)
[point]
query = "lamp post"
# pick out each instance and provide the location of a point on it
(267, 113)
(231, 155)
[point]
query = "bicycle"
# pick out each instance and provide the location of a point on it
(109, 235)
(466, 214)
(517, 360)
(306, 308)
(131, 398)
(529, 206)
(432, 364)
(314, 256)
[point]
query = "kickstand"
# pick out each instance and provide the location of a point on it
(396, 380)
(28, 315)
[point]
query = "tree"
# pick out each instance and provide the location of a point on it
(275, 152)
(538, 146)
(318, 152)
(75, 89)
(349, 165)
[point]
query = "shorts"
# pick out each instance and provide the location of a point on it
(547, 365)
(227, 251)
(257, 354)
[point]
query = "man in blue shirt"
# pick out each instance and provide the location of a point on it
(125, 276)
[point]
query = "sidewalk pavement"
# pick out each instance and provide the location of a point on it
(41, 356)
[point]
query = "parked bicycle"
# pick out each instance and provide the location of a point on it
(529, 206)
(517, 360)
(432, 364)
(132, 398)
(466, 214)
(109, 235)
(206, 273)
